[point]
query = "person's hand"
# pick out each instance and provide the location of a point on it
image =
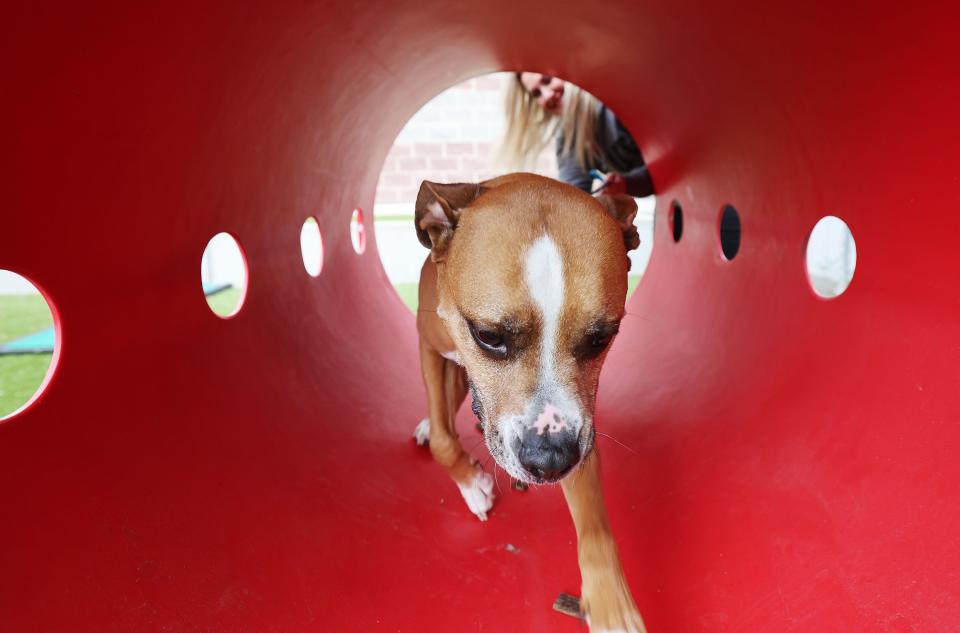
(613, 184)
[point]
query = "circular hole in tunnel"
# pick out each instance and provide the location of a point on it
(358, 232)
(28, 343)
(223, 275)
(676, 220)
(831, 257)
(459, 137)
(729, 232)
(311, 247)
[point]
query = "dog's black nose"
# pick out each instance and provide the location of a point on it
(548, 456)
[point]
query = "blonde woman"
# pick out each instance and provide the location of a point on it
(589, 138)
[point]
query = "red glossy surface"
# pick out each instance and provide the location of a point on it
(794, 461)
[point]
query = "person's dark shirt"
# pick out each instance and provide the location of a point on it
(616, 151)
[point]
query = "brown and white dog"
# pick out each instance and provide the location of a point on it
(520, 298)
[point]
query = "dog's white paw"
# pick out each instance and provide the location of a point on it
(478, 494)
(421, 435)
(624, 620)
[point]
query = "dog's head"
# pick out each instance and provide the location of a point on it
(532, 278)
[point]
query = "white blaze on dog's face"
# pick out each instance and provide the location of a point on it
(532, 288)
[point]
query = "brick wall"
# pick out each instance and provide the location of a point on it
(453, 138)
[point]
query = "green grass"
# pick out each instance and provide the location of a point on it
(632, 281)
(408, 291)
(20, 377)
(21, 374)
(21, 315)
(396, 218)
(224, 302)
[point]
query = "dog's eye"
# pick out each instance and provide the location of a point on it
(599, 343)
(593, 345)
(489, 341)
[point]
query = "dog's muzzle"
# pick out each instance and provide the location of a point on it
(547, 457)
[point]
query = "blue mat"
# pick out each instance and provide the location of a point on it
(42, 342)
(37, 343)
(212, 289)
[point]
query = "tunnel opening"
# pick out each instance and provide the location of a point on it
(458, 136)
(29, 343)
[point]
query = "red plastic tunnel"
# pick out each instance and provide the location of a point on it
(792, 462)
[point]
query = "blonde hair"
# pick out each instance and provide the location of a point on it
(529, 127)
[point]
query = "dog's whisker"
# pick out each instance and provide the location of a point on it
(483, 465)
(607, 435)
(497, 479)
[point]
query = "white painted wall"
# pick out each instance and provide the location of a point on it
(14, 284)
(459, 114)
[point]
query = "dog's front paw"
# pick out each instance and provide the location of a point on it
(478, 493)
(608, 605)
(421, 435)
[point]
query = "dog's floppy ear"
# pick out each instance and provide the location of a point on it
(438, 211)
(623, 209)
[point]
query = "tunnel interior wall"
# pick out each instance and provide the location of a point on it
(789, 462)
